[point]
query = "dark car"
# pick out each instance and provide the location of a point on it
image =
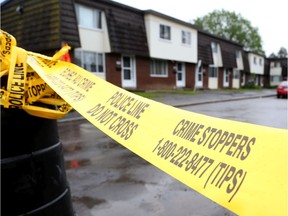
(282, 89)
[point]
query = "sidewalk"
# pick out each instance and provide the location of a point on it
(213, 96)
(203, 97)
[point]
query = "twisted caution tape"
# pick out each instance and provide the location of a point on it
(22, 87)
(240, 166)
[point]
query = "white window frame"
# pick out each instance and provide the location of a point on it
(99, 58)
(275, 79)
(226, 75)
(260, 61)
(236, 73)
(255, 60)
(88, 17)
(238, 54)
(213, 71)
(164, 32)
(159, 68)
(214, 47)
(186, 37)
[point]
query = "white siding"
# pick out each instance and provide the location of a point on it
(275, 71)
(239, 61)
(170, 49)
(95, 40)
(217, 57)
(235, 83)
(213, 83)
(256, 67)
(275, 74)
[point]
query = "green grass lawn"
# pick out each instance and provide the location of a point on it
(160, 93)
(148, 94)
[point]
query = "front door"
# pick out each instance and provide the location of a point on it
(199, 76)
(128, 72)
(180, 74)
(226, 78)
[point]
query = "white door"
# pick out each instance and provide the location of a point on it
(128, 72)
(180, 74)
(226, 78)
(199, 76)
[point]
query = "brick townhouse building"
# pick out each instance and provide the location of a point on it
(132, 48)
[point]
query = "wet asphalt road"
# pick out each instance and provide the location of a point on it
(270, 111)
(107, 179)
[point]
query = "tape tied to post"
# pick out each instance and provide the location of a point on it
(240, 166)
(23, 88)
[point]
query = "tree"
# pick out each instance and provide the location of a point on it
(232, 26)
(272, 55)
(282, 53)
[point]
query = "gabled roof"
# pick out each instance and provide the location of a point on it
(125, 24)
(229, 58)
(228, 49)
(217, 38)
(266, 67)
(205, 53)
(43, 25)
(255, 53)
(40, 25)
(246, 64)
(283, 61)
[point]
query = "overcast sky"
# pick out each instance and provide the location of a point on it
(270, 17)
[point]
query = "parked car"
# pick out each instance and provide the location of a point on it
(282, 89)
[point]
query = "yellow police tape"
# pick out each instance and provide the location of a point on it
(22, 87)
(240, 166)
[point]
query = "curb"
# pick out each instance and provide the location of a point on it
(223, 100)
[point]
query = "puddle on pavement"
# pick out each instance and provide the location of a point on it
(107, 179)
(111, 155)
(110, 160)
(71, 146)
(128, 179)
(117, 191)
(88, 201)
